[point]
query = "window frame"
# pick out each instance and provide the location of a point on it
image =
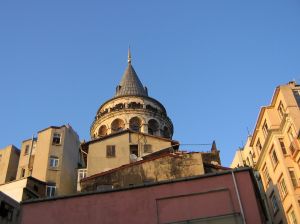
(53, 162)
(266, 174)
(293, 177)
(52, 191)
(292, 216)
(265, 128)
(274, 203)
(282, 188)
(147, 148)
(274, 157)
(281, 110)
(110, 151)
(55, 137)
(282, 146)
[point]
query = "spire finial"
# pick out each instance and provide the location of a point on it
(129, 55)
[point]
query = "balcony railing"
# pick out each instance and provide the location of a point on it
(294, 148)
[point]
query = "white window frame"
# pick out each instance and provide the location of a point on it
(52, 190)
(53, 162)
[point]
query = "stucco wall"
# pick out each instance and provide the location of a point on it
(98, 162)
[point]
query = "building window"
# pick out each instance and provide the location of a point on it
(265, 129)
(26, 152)
(292, 217)
(81, 174)
(266, 175)
(297, 96)
(274, 203)
(281, 110)
(283, 149)
(0, 157)
(22, 172)
(258, 146)
(56, 139)
(53, 162)
(293, 177)
(274, 157)
(50, 190)
(110, 151)
(134, 149)
(283, 189)
(147, 148)
(291, 134)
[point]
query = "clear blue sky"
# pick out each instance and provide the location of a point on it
(213, 64)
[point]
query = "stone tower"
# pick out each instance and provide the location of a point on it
(131, 108)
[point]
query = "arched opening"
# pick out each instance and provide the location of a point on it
(135, 124)
(153, 127)
(102, 131)
(166, 132)
(117, 125)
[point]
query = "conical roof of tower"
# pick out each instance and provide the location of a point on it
(130, 83)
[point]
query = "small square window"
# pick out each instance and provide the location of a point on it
(56, 139)
(110, 151)
(147, 148)
(50, 190)
(53, 162)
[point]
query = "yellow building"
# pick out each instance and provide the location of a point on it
(9, 158)
(53, 158)
(273, 150)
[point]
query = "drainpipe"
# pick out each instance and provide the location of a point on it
(238, 197)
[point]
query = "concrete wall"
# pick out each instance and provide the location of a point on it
(98, 162)
(9, 158)
(166, 167)
(205, 198)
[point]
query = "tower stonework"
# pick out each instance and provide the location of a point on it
(131, 108)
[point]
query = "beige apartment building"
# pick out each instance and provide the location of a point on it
(9, 158)
(273, 150)
(53, 158)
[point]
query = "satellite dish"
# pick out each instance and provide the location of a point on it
(133, 158)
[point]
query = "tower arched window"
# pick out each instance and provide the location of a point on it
(166, 132)
(153, 127)
(102, 131)
(135, 124)
(117, 125)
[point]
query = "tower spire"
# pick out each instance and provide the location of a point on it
(129, 55)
